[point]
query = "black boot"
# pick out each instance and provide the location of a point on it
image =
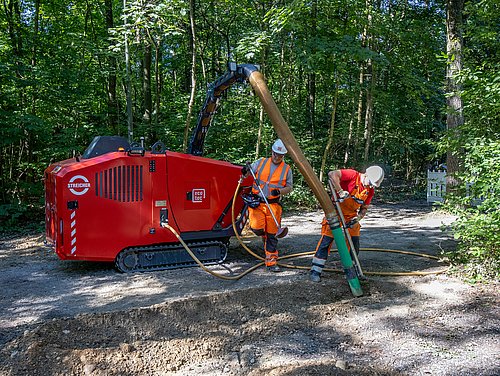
(315, 276)
(274, 268)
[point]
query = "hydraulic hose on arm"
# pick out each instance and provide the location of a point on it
(257, 81)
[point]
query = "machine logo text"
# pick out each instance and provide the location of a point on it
(198, 194)
(79, 185)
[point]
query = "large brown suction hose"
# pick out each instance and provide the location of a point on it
(258, 83)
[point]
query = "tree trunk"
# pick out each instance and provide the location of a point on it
(11, 157)
(330, 133)
(261, 112)
(14, 22)
(128, 84)
(454, 117)
(112, 102)
(369, 112)
(311, 77)
(34, 56)
(360, 110)
(367, 41)
(193, 73)
(350, 134)
(157, 88)
(146, 85)
(259, 132)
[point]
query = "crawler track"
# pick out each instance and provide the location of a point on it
(163, 257)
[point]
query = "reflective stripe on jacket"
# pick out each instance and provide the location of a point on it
(267, 182)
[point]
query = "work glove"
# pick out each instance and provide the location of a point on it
(343, 195)
(352, 222)
(244, 170)
(275, 192)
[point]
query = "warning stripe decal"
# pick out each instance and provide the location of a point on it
(73, 232)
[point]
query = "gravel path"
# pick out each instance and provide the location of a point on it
(76, 318)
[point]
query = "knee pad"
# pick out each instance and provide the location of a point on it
(355, 242)
(323, 247)
(258, 232)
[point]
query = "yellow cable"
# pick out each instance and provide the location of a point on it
(232, 278)
(379, 273)
(240, 240)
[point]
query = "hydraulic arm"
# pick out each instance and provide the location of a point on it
(235, 73)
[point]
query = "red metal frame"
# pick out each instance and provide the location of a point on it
(99, 206)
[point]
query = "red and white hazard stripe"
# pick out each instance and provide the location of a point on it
(73, 232)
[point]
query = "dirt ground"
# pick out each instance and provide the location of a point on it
(76, 318)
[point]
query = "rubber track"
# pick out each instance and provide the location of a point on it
(167, 249)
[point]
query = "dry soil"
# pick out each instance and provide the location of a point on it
(77, 318)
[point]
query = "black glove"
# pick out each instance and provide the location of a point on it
(275, 192)
(244, 170)
(352, 222)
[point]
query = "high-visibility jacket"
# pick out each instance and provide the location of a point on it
(357, 197)
(268, 182)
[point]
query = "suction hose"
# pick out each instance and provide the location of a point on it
(258, 83)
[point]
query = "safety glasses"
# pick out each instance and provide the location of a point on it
(278, 156)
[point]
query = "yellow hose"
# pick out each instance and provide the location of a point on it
(251, 269)
(379, 273)
(231, 278)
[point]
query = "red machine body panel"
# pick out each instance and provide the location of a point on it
(99, 206)
(200, 189)
(110, 204)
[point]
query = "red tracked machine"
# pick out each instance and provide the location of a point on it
(109, 204)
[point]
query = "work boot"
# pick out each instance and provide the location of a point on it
(274, 269)
(314, 276)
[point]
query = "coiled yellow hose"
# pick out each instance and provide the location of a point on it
(251, 269)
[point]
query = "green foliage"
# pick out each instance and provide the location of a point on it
(478, 233)
(301, 198)
(477, 206)
(10, 215)
(55, 79)
(16, 218)
(477, 201)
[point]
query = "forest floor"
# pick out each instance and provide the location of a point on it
(76, 318)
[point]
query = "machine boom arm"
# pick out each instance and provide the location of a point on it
(235, 73)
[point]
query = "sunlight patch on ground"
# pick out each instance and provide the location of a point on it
(436, 289)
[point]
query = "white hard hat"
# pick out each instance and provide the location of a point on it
(375, 174)
(279, 147)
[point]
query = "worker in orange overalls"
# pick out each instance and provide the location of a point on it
(355, 192)
(275, 179)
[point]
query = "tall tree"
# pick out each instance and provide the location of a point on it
(329, 141)
(311, 76)
(146, 83)
(454, 45)
(111, 88)
(194, 46)
(128, 82)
